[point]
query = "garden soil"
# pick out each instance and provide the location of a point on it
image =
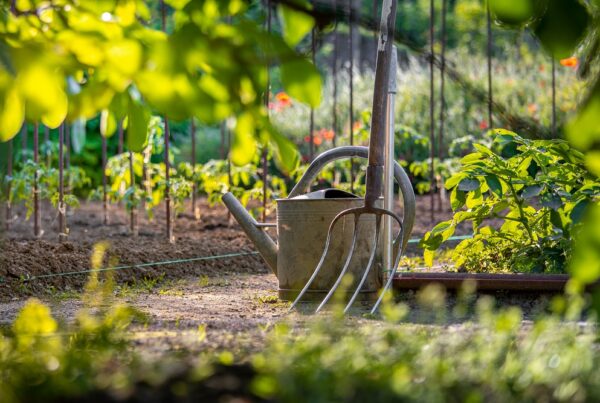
(195, 306)
(22, 257)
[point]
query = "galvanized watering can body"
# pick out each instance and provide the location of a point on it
(302, 224)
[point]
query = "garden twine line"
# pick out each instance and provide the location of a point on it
(175, 261)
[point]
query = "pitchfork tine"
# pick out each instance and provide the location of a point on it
(320, 265)
(369, 265)
(345, 268)
(398, 253)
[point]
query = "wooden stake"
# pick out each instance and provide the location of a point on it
(9, 172)
(133, 210)
(334, 75)
(121, 137)
(24, 135)
(440, 146)
(489, 66)
(104, 182)
(431, 110)
(195, 210)
(312, 110)
(265, 164)
(163, 15)
(47, 145)
(351, 86)
(62, 225)
(37, 226)
(168, 182)
(554, 135)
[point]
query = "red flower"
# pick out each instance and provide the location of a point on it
(317, 139)
(327, 134)
(283, 99)
(483, 125)
(570, 62)
(532, 108)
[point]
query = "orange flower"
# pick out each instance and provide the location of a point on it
(283, 99)
(542, 68)
(356, 126)
(327, 134)
(317, 140)
(570, 62)
(532, 108)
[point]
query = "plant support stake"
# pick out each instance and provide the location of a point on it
(62, 225)
(163, 10)
(440, 150)
(37, 226)
(489, 66)
(431, 111)
(265, 165)
(351, 86)
(312, 110)
(334, 74)
(133, 207)
(9, 170)
(195, 210)
(104, 193)
(553, 98)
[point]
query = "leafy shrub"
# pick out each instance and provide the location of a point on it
(534, 191)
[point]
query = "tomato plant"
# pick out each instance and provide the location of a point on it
(534, 191)
(22, 185)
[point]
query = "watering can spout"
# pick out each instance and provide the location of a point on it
(265, 245)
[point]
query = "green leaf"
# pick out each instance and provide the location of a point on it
(512, 12)
(287, 156)
(12, 114)
(457, 199)
(296, 24)
(578, 210)
(531, 191)
(428, 256)
(302, 80)
(108, 123)
(583, 130)
(562, 27)
(454, 180)
(138, 118)
(494, 184)
(468, 184)
(243, 147)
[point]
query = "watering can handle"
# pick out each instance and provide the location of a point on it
(408, 195)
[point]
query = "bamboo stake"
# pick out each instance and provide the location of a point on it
(104, 182)
(431, 111)
(37, 226)
(62, 226)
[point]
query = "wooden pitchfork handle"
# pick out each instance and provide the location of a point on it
(374, 176)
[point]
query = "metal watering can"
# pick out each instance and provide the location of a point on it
(303, 221)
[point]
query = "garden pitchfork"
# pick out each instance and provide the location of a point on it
(374, 173)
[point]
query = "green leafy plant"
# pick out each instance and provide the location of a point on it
(534, 193)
